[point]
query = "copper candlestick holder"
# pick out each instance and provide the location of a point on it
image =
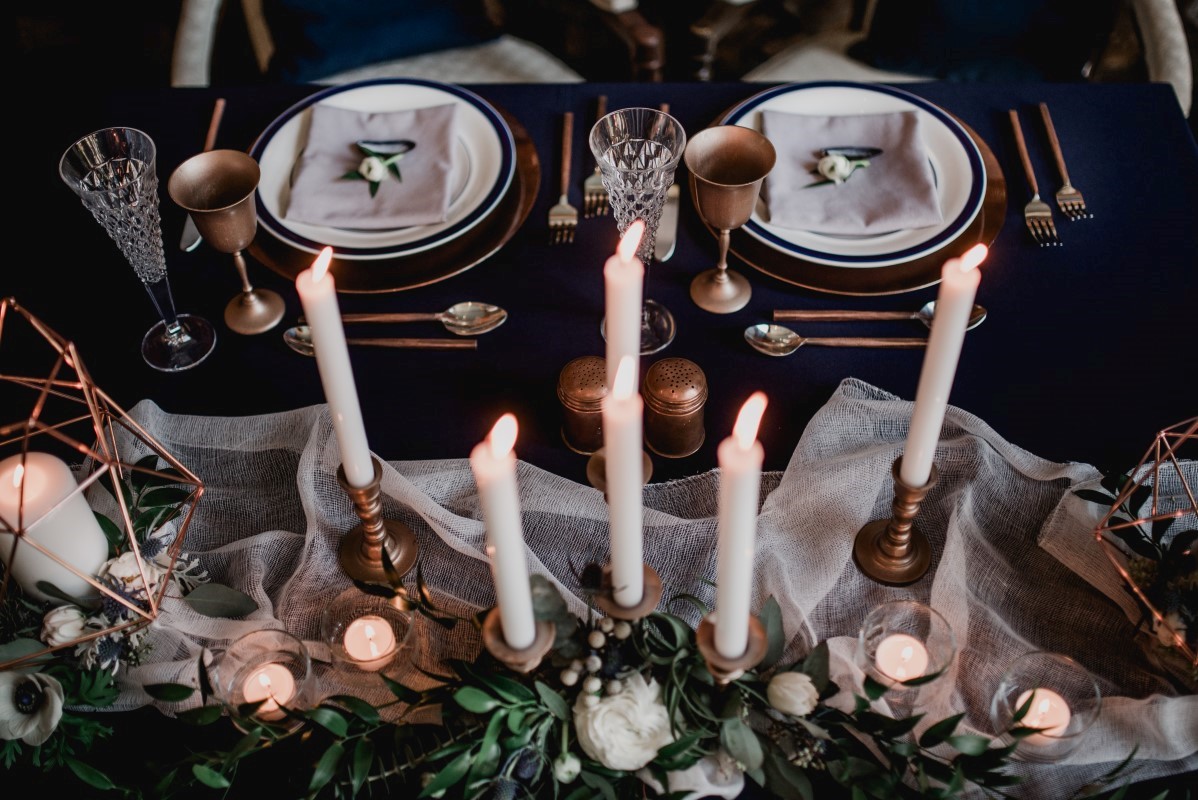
(361, 552)
(892, 551)
(605, 600)
(724, 669)
(525, 660)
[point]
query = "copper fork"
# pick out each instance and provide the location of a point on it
(563, 217)
(594, 193)
(1036, 214)
(1069, 199)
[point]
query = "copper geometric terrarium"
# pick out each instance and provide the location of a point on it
(69, 448)
(1150, 534)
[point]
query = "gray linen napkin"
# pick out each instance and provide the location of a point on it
(320, 196)
(896, 191)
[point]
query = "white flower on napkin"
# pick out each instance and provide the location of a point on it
(373, 169)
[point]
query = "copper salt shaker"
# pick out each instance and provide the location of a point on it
(675, 392)
(581, 387)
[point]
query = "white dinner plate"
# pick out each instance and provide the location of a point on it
(484, 163)
(956, 164)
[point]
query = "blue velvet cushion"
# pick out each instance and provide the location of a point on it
(985, 40)
(316, 38)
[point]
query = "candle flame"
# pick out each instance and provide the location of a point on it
(264, 680)
(1043, 708)
(503, 436)
(907, 652)
(973, 257)
(18, 475)
(624, 384)
(631, 240)
(321, 265)
(748, 420)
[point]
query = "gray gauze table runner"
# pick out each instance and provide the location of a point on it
(1016, 567)
(895, 192)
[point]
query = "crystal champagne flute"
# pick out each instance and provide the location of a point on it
(113, 172)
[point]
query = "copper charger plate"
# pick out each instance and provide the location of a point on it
(435, 264)
(908, 276)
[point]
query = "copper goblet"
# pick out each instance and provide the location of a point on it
(728, 164)
(217, 188)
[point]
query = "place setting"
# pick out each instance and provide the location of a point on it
(410, 181)
(873, 188)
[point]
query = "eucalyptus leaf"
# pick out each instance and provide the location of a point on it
(1095, 496)
(784, 779)
(938, 733)
(218, 600)
(741, 742)
(553, 701)
(329, 719)
(204, 715)
(163, 497)
(326, 767)
(599, 784)
(771, 618)
(475, 700)
(401, 692)
(376, 589)
(112, 532)
(970, 744)
(47, 588)
(358, 707)
(209, 777)
(169, 692)
(18, 648)
(359, 768)
(89, 774)
(450, 774)
(873, 689)
(817, 667)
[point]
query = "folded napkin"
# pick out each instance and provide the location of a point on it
(896, 191)
(321, 196)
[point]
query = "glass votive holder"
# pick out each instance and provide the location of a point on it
(262, 674)
(365, 632)
(1057, 696)
(904, 644)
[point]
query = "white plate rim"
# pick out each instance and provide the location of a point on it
(443, 232)
(942, 236)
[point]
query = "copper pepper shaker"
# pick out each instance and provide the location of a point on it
(581, 387)
(675, 392)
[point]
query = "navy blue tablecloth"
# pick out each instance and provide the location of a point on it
(1083, 357)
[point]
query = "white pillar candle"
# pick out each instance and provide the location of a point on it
(494, 466)
(954, 302)
(623, 285)
(625, 476)
(36, 494)
(369, 642)
(318, 294)
(740, 457)
(901, 657)
(1048, 711)
(274, 685)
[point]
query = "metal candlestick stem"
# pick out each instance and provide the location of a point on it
(605, 601)
(525, 660)
(361, 552)
(892, 551)
(723, 669)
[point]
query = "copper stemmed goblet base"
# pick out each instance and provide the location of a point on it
(727, 164)
(217, 188)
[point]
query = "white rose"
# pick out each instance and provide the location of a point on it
(792, 693)
(63, 624)
(566, 768)
(125, 571)
(714, 775)
(373, 169)
(30, 706)
(835, 168)
(624, 731)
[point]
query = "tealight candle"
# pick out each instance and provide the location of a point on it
(39, 490)
(625, 477)
(954, 303)
(370, 643)
(623, 284)
(318, 295)
(274, 686)
(1048, 711)
(740, 457)
(494, 466)
(901, 657)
